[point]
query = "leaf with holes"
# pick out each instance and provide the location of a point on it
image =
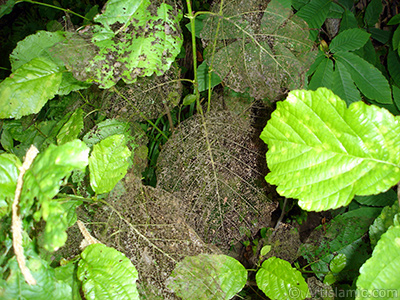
(323, 153)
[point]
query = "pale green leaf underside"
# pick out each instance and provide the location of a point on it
(208, 277)
(380, 272)
(278, 280)
(323, 153)
(107, 274)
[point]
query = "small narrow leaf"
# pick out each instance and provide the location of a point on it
(107, 274)
(382, 223)
(29, 88)
(338, 263)
(108, 163)
(343, 85)
(323, 153)
(349, 40)
(323, 75)
(393, 65)
(278, 280)
(368, 79)
(380, 272)
(206, 277)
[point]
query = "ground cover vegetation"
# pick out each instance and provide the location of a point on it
(199, 150)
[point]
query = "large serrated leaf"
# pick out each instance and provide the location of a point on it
(368, 79)
(107, 274)
(42, 181)
(343, 85)
(349, 40)
(208, 277)
(380, 272)
(262, 49)
(29, 88)
(278, 280)
(134, 39)
(323, 153)
(108, 163)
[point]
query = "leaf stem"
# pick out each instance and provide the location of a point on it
(55, 7)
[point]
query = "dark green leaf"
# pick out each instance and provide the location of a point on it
(107, 274)
(189, 99)
(29, 88)
(396, 96)
(393, 64)
(198, 24)
(348, 21)
(396, 39)
(372, 13)
(323, 75)
(349, 40)
(383, 222)
(342, 235)
(368, 79)
(206, 277)
(395, 20)
(67, 275)
(6, 140)
(382, 199)
(323, 153)
(315, 13)
(278, 280)
(203, 77)
(380, 272)
(380, 35)
(108, 163)
(368, 53)
(343, 85)
(6, 7)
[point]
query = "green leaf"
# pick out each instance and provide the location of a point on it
(67, 274)
(203, 76)
(189, 99)
(198, 25)
(396, 39)
(207, 277)
(343, 85)
(393, 65)
(29, 88)
(396, 96)
(380, 272)
(315, 13)
(108, 163)
(338, 263)
(348, 21)
(395, 20)
(372, 13)
(55, 216)
(42, 181)
(323, 153)
(264, 250)
(349, 40)
(9, 170)
(380, 35)
(383, 199)
(71, 128)
(36, 45)
(323, 75)
(47, 286)
(368, 79)
(7, 7)
(6, 140)
(383, 222)
(344, 234)
(107, 274)
(106, 129)
(278, 280)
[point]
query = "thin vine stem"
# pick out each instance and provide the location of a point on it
(55, 7)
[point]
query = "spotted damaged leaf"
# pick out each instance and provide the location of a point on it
(132, 39)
